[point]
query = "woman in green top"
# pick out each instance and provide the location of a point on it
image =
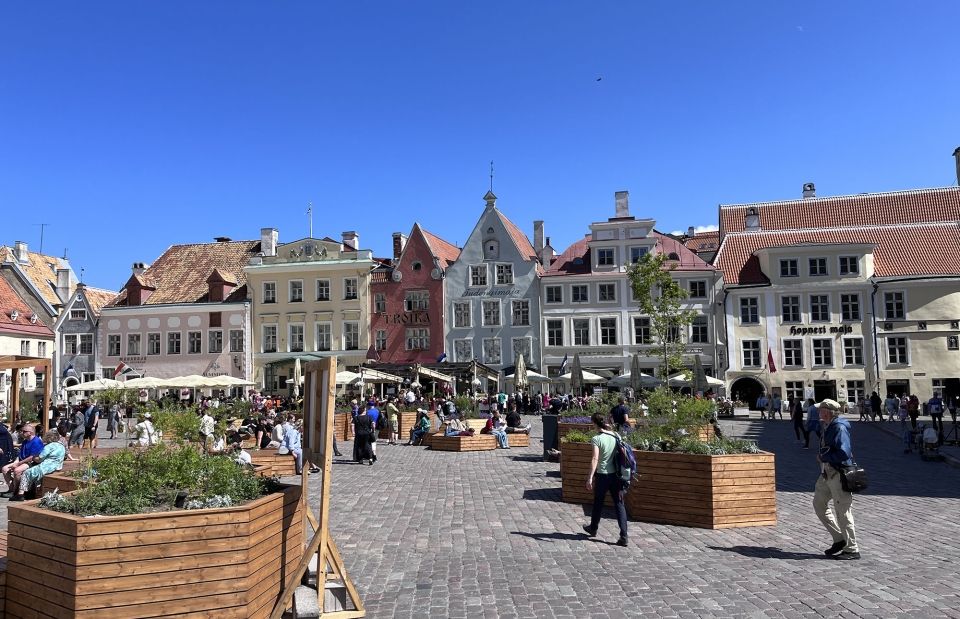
(602, 478)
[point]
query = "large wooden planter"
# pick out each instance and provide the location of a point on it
(405, 421)
(64, 482)
(228, 562)
(477, 442)
(737, 490)
(518, 439)
(343, 426)
(280, 465)
(574, 466)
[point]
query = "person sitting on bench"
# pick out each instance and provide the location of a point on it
(456, 427)
(515, 424)
(495, 426)
(420, 428)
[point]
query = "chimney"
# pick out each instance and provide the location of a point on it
(809, 190)
(351, 238)
(20, 252)
(547, 255)
(65, 284)
(222, 239)
(138, 268)
(691, 232)
(538, 235)
(622, 199)
(751, 221)
(399, 242)
(269, 239)
(956, 156)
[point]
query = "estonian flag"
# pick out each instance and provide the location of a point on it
(442, 357)
(563, 366)
(67, 373)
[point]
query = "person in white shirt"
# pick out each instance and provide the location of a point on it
(146, 434)
(206, 428)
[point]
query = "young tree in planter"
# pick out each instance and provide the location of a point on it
(661, 298)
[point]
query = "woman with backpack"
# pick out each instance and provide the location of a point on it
(602, 478)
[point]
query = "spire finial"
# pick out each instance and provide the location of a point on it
(491, 176)
(310, 217)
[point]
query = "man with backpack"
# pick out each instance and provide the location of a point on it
(604, 477)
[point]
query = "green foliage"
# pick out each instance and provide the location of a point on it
(578, 436)
(109, 397)
(137, 481)
(466, 406)
(661, 298)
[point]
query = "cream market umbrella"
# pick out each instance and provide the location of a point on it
(699, 376)
(297, 377)
(100, 384)
(636, 376)
(626, 380)
(346, 377)
(533, 377)
(585, 376)
(146, 382)
(576, 375)
(520, 374)
(679, 380)
(228, 381)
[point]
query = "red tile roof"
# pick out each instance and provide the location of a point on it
(704, 241)
(97, 298)
(575, 260)
(567, 263)
(10, 301)
(524, 246)
(180, 274)
(895, 255)
(41, 270)
(446, 252)
(867, 209)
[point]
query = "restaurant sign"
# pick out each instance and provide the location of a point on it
(833, 330)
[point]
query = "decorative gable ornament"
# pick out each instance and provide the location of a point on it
(14, 315)
(397, 276)
(33, 319)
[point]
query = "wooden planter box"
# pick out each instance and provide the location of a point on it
(280, 465)
(60, 480)
(228, 562)
(518, 439)
(477, 442)
(713, 492)
(574, 466)
(343, 426)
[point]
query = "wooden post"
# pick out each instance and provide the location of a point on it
(47, 396)
(14, 397)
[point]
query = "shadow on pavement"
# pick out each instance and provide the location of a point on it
(527, 458)
(543, 494)
(557, 535)
(769, 552)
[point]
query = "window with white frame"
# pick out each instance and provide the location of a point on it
(673, 333)
(349, 288)
(819, 308)
(751, 353)
(296, 290)
(88, 376)
(894, 306)
(491, 313)
(379, 303)
(789, 267)
(351, 336)
(173, 343)
(86, 344)
(790, 308)
(269, 292)
(856, 391)
(324, 336)
(793, 353)
(461, 315)
(579, 293)
(418, 338)
(581, 331)
(491, 351)
(554, 333)
(641, 330)
(636, 253)
(520, 313)
(607, 293)
(749, 310)
(554, 294)
(236, 340)
(215, 341)
(849, 265)
(794, 389)
(78, 311)
(153, 344)
(323, 290)
(380, 340)
(608, 331)
(113, 346)
(70, 344)
(194, 342)
(822, 352)
(504, 274)
(818, 267)
(416, 300)
(133, 344)
(269, 340)
(700, 330)
(41, 352)
(478, 275)
(897, 351)
(522, 346)
(605, 257)
(463, 350)
(850, 307)
(853, 351)
(698, 289)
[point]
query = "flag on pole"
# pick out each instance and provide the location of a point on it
(122, 370)
(770, 364)
(563, 365)
(442, 357)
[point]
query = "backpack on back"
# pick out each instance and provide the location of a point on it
(626, 464)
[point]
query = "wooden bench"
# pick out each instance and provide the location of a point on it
(3, 573)
(518, 439)
(477, 442)
(280, 465)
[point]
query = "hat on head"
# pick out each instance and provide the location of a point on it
(830, 404)
(423, 410)
(353, 401)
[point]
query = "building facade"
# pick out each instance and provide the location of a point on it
(186, 314)
(844, 295)
(589, 307)
(310, 299)
(492, 294)
(407, 299)
(77, 343)
(21, 333)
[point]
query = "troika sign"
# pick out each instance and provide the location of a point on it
(834, 330)
(407, 318)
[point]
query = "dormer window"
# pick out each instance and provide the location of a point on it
(751, 221)
(491, 249)
(78, 311)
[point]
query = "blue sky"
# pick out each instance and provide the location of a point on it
(132, 126)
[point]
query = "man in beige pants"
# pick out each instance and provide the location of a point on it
(835, 450)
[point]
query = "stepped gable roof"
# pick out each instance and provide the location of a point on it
(703, 241)
(575, 260)
(97, 298)
(867, 209)
(41, 269)
(447, 253)
(10, 301)
(180, 274)
(895, 251)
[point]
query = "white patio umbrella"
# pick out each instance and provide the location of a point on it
(228, 381)
(146, 382)
(636, 376)
(586, 377)
(678, 380)
(346, 377)
(100, 384)
(533, 377)
(520, 374)
(627, 380)
(297, 377)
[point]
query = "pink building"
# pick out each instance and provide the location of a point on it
(406, 319)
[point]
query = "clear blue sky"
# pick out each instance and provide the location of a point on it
(130, 126)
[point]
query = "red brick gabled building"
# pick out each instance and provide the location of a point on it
(407, 304)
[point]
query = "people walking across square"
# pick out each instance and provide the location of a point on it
(602, 478)
(835, 451)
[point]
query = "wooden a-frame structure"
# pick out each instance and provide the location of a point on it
(17, 363)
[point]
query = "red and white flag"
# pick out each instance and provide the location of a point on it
(770, 364)
(122, 369)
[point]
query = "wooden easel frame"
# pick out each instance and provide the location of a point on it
(318, 407)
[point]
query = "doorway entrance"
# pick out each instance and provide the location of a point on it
(748, 390)
(899, 387)
(823, 389)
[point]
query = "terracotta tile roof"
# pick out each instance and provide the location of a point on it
(867, 209)
(575, 260)
(180, 274)
(97, 298)
(524, 246)
(42, 271)
(703, 241)
(10, 301)
(446, 253)
(895, 253)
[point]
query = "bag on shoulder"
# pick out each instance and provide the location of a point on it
(626, 464)
(852, 477)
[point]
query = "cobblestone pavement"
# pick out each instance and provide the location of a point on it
(485, 535)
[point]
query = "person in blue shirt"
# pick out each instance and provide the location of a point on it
(763, 403)
(835, 451)
(291, 440)
(374, 413)
(31, 445)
